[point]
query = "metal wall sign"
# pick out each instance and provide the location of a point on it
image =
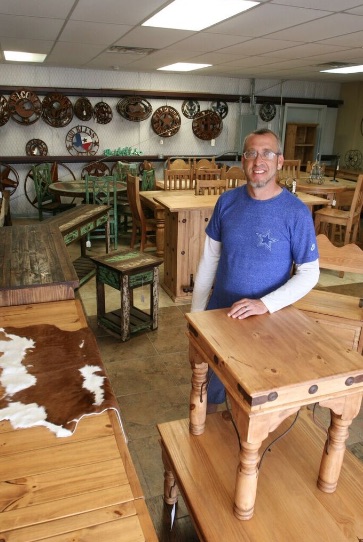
(134, 108)
(207, 125)
(166, 121)
(82, 140)
(24, 106)
(57, 110)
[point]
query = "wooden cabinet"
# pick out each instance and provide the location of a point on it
(300, 141)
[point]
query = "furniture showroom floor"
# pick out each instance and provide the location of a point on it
(150, 375)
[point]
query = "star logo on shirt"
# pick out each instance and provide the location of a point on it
(265, 240)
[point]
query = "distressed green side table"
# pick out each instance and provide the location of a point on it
(126, 270)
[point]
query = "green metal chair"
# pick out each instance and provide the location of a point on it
(45, 200)
(148, 179)
(103, 191)
(121, 170)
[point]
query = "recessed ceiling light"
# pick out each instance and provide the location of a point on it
(347, 69)
(184, 67)
(197, 14)
(17, 56)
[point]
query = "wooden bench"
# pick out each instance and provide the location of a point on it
(343, 314)
(289, 505)
(75, 224)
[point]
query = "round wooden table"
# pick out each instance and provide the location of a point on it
(76, 189)
(329, 188)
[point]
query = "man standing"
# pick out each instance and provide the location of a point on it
(258, 234)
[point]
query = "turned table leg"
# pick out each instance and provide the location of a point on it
(198, 394)
(246, 481)
(170, 486)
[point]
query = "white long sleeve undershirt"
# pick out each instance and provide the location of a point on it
(305, 278)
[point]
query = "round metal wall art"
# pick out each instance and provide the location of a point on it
(134, 108)
(4, 111)
(83, 109)
(166, 121)
(24, 106)
(220, 107)
(353, 158)
(57, 110)
(102, 113)
(190, 108)
(207, 125)
(36, 147)
(82, 140)
(9, 178)
(267, 112)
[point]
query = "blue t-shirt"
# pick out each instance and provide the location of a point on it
(260, 241)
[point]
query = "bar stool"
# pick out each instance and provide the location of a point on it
(125, 270)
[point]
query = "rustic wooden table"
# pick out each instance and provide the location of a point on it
(78, 487)
(35, 265)
(271, 366)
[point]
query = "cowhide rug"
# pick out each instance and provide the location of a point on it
(51, 377)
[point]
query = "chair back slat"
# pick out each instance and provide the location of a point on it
(103, 191)
(235, 176)
(178, 179)
(210, 186)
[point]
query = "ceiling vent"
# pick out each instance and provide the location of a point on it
(141, 51)
(330, 65)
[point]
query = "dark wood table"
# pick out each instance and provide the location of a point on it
(36, 266)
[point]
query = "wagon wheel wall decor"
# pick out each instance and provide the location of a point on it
(96, 169)
(134, 108)
(207, 125)
(64, 174)
(165, 121)
(57, 110)
(36, 147)
(102, 113)
(353, 158)
(4, 111)
(83, 109)
(9, 178)
(24, 106)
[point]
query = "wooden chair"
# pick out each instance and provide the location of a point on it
(121, 170)
(148, 179)
(204, 163)
(178, 163)
(145, 227)
(178, 179)
(290, 170)
(235, 176)
(46, 201)
(338, 217)
(103, 191)
(343, 314)
(210, 187)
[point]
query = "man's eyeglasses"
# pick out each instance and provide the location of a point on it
(266, 155)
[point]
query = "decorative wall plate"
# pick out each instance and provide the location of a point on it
(36, 147)
(220, 107)
(57, 110)
(24, 106)
(102, 113)
(82, 140)
(4, 111)
(207, 125)
(165, 121)
(134, 108)
(83, 109)
(267, 112)
(190, 108)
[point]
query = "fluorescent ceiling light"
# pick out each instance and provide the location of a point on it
(197, 14)
(347, 69)
(184, 67)
(17, 56)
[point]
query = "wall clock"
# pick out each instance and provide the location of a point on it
(207, 125)
(82, 140)
(24, 106)
(57, 110)
(267, 112)
(36, 147)
(134, 108)
(190, 108)
(165, 121)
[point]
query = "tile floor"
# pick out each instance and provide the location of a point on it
(150, 375)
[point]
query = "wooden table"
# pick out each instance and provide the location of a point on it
(329, 188)
(35, 265)
(76, 189)
(79, 487)
(126, 270)
(271, 366)
(74, 225)
(181, 221)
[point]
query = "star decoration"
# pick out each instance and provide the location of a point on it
(265, 240)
